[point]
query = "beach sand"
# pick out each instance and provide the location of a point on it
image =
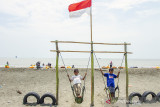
(43, 81)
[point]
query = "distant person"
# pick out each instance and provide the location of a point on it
(49, 64)
(38, 65)
(111, 64)
(110, 82)
(43, 65)
(7, 63)
(73, 66)
(77, 82)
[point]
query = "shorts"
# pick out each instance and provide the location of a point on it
(111, 89)
(77, 89)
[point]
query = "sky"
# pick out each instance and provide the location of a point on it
(28, 26)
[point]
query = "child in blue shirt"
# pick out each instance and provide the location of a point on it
(110, 81)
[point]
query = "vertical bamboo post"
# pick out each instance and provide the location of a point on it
(126, 68)
(92, 76)
(57, 75)
(92, 61)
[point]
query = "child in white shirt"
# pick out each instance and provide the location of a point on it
(77, 82)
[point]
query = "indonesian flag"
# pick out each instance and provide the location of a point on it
(77, 9)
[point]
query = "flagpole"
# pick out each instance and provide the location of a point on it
(91, 21)
(92, 61)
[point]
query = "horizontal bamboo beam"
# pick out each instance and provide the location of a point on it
(93, 43)
(90, 51)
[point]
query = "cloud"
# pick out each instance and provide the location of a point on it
(148, 12)
(40, 21)
(126, 4)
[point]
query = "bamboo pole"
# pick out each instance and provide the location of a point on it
(90, 51)
(126, 67)
(57, 75)
(92, 61)
(92, 76)
(90, 42)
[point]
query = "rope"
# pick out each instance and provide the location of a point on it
(100, 68)
(102, 76)
(87, 69)
(120, 69)
(65, 69)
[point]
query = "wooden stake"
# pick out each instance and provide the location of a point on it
(57, 75)
(126, 67)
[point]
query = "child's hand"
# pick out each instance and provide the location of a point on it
(67, 75)
(86, 73)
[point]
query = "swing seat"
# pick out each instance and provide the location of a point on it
(115, 100)
(78, 100)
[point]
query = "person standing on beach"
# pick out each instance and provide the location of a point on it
(110, 81)
(49, 64)
(43, 65)
(38, 65)
(7, 63)
(73, 66)
(111, 64)
(77, 82)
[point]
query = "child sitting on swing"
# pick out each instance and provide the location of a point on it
(110, 81)
(77, 82)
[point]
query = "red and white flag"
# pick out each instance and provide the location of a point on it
(77, 9)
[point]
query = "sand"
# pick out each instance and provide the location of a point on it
(43, 81)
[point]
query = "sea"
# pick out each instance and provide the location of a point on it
(80, 62)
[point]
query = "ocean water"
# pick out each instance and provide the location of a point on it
(80, 62)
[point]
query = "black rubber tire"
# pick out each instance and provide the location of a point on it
(48, 95)
(158, 97)
(146, 93)
(133, 95)
(31, 94)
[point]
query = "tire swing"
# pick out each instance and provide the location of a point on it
(78, 100)
(31, 94)
(158, 97)
(134, 94)
(146, 93)
(50, 96)
(107, 89)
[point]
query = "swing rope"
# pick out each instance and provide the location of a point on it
(65, 67)
(102, 76)
(120, 68)
(87, 69)
(67, 74)
(119, 77)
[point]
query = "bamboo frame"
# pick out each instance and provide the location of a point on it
(92, 43)
(92, 64)
(90, 51)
